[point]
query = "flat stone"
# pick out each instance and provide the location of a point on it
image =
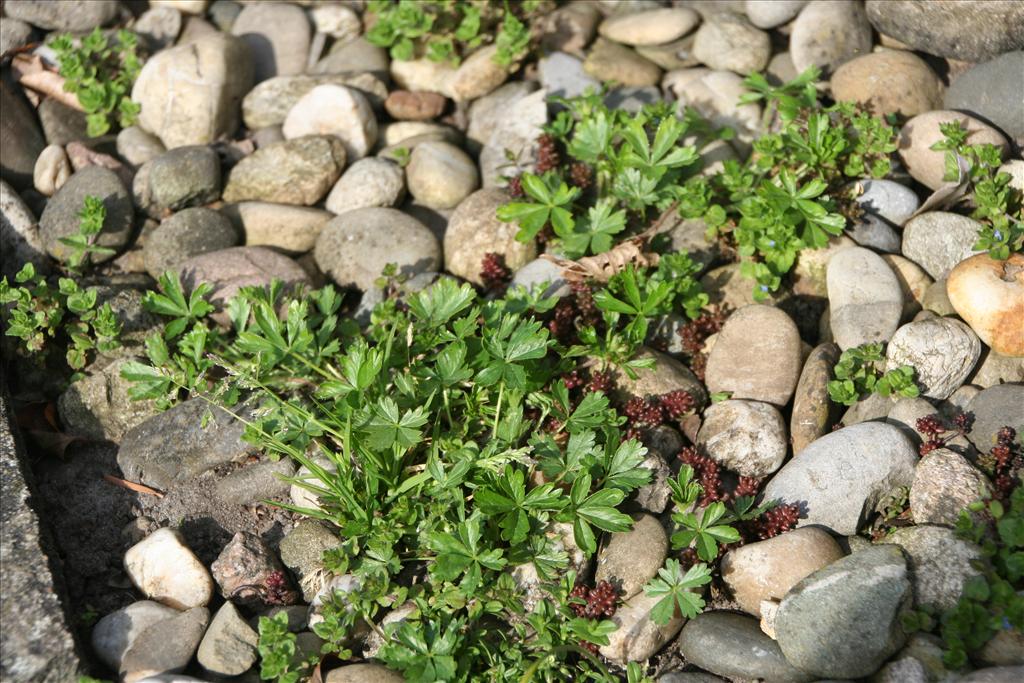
(288, 228)
(651, 27)
(945, 483)
(919, 134)
(269, 102)
(475, 231)
(728, 41)
(147, 456)
(838, 480)
(843, 621)
(865, 300)
(889, 82)
(114, 634)
(190, 94)
(610, 61)
(60, 218)
(638, 637)
(995, 408)
(772, 13)
(989, 91)
(938, 241)
(299, 171)
(829, 33)
(363, 673)
(404, 105)
(632, 558)
(733, 645)
(165, 647)
(20, 241)
(757, 356)
(278, 36)
(812, 411)
(665, 376)
(355, 247)
(98, 406)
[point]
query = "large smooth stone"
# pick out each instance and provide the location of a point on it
(114, 634)
(966, 31)
(844, 621)
(890, 82)
(354, 248)
(828, 33)
(632, 558)
(278, 37)
(838, 480)
(757, 356)
(940, 562)
(651, 27)
(190, 94)
(60, 217)
(638, 637)
(991, 91)
(864, 296)
(299, 171)
(475, 231)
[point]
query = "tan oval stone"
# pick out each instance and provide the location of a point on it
(632, 558)
(474, 230)
(889, 82)
(989, 295)
(768, 569)
(667, 375)
(757, 356)
(927, 165)
(914, 282)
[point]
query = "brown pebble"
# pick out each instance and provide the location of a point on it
(404, 105)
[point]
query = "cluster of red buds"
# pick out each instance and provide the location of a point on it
(708, 475)
(938, 434)
(581, 175)
(1004, 463)
(598, 602)
(548, 157)
(775, 521)
(647, 413)
(695, 332)
(495, 274)
(515, 187)
(573, 311)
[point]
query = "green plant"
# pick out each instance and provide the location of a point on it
(67, 314)
(447, 31)
(82, 245)
(635, 162)
(100, 73)
(996, 204)
(280, 659)
(857, 374)
(991, 601)
(793, 193)
(676, 591)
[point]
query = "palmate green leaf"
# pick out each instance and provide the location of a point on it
(622, 465)
(592, 138)
(388, 428)
(459, 554)
(506, 498)
(596, 509)
(676, 591)
(438, 304)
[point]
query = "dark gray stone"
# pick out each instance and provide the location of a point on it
(994, 408)
(969, 31)
(182, 177)
(21, 141)
(61, 123)
(60, 218)
(188, 233)
(256, 482)
(166, 646)
(844, 621)
(149, 456)
(872, 231)
(302, 550)
(733, 645)
(37, 644)
(992, 92)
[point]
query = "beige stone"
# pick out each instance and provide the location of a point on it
(768, 569)
(889, 82)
